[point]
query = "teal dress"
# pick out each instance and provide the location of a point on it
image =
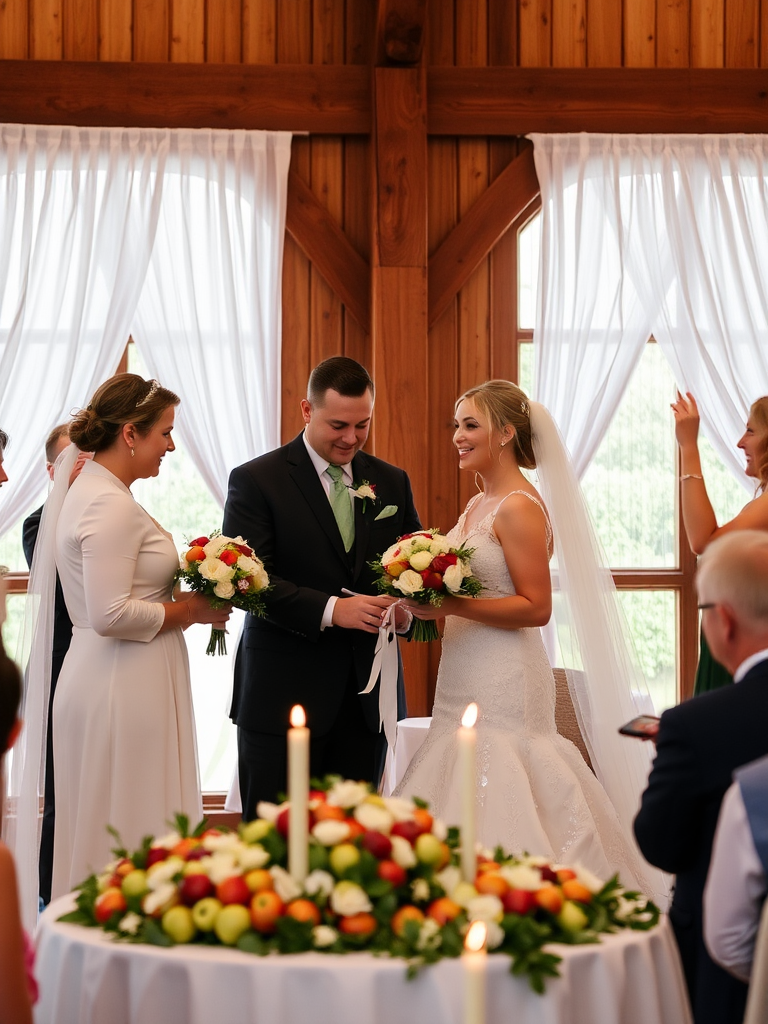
(710, 674)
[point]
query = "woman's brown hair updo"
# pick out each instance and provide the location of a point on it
(124, 398)
(506, 405)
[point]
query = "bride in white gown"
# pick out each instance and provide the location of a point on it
(535, 792)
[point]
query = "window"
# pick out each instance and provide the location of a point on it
(632, 490)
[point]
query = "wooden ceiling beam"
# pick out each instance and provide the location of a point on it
(329, 250)
(479, 230)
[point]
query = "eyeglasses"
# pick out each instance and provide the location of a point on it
(703, 607)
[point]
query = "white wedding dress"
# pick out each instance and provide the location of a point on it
(535, 793)
(123, 727)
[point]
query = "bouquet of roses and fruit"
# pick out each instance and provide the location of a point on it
(424, 567)
(227, 571)
(383, 876)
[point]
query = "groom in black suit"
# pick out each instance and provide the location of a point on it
(699, 745)
(296, 506)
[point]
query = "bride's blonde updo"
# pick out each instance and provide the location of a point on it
(124, 398)
(506, 405)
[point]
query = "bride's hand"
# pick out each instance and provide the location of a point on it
(201, 610)
(686, 415)
(429, 611)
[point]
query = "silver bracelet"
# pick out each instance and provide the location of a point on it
(691, 476)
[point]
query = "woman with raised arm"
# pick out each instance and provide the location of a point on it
(699, 517)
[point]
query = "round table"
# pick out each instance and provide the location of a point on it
(86, 978)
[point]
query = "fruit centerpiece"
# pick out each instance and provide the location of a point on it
(383, 876)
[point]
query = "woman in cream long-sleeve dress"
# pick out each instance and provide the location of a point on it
(123, 726)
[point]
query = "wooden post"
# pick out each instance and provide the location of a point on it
(399, 297)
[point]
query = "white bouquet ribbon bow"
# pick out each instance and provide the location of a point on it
(385, 663)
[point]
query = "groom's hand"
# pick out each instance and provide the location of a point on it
(360, 612)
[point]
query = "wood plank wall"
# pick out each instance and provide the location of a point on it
(470, 341)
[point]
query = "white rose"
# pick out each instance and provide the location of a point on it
(421, 560)
(485, 908)
(330, 832)
(215, 571)
(439, 545)
(466, 568)
(346, 793)
(520, 876)
(535, 861)
(221, 866)
(439, 830)
(215, 546)
(260, 575)
(420, 890)
(160, 899)
(389, 555)
(103, 880)
(365, 491)
(130, 923)
(251, 857)
(349, 899)
(429, 935)
(286, 887)
(453, 578)
(246, 564)
(323, 935)
(585, 876)
(374, 818)
(225, 589)
(228, 842)
(318, 881)
(402, 852)
(494, 934)
(408, 582)
(163, 871)
(449, 878)
(400, 808)
(268, 811)
(166, 842)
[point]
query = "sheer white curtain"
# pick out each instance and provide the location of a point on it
(78, 211)
(208, 320)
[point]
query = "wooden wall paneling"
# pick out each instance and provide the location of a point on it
(763, 33)
(80, 30)
(673, 21)
(742, 33)
(440, 35)
(707, 34)
(188, 31)
(399, 32)
(502, 32)
(360, 22)
(327, 183)
(534, 28)
(503, 298)
(115, 30)
(569, 33)
(151, 30)
(604, 31)
(639, 33)
(14, 30)
(259, 31)
(45, 40)
(224, 31)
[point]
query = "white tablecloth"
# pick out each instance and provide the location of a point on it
(86, 978)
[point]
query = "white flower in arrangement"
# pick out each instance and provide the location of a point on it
(421, 560)
(251, 857)
(449, 878)
(453, 578)
(220, 866)
(429, 935)
(130, 923)
(439, 545)
(402, 852)
(319, 881)
(348, 899)
(225, 589)
(160, 899)
(400, 808)
(260, 575)
(167, 842)
(585, 876)
(536, 861)
(103, 880)
(521, 876)
(323, 935)
(228, 842)
(420, 890)
(439, 830)
(216, 545)
(419, 544)
(268, 811)
(624, 908)
(249, 565)
(163, 871)
(330, 832)
(374, 818)
(466, 568)
(214, 570)
(365, 490)
(389, 554)
(494, 934)
(286, 887)
(346, 793)
(485, 908)
(409, 582)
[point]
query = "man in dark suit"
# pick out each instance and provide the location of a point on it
(699, 745)
(296, 506)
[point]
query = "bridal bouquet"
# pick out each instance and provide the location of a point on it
(227, 571)
(383, 876)
(424, 567)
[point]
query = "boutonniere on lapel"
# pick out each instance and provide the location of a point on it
(365, 491)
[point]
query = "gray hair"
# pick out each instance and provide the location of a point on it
(734, 571)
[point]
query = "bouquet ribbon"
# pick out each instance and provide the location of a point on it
(385, 664)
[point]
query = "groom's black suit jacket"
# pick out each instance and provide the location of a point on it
(700, 743)
(277, 503)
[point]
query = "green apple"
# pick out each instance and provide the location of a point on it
(254, 831)
(231, 922)
(179, 924)
(463, 893)
(428, 849)
(572, 918)
(343, 856)
(134, 883)
(205, 912)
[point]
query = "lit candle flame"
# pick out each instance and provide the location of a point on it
(298, 718)
(470, 716)
(476, 936)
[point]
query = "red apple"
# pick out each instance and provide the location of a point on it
(392, 872)
(266, 907)
(196, 887)
(232, 890)
(432, 580)
(409, 830)
(547, 874)
(155, 854)
(518, 901)
(107, 903)
(378, 844)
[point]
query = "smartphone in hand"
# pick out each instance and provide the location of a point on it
(644, 726)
